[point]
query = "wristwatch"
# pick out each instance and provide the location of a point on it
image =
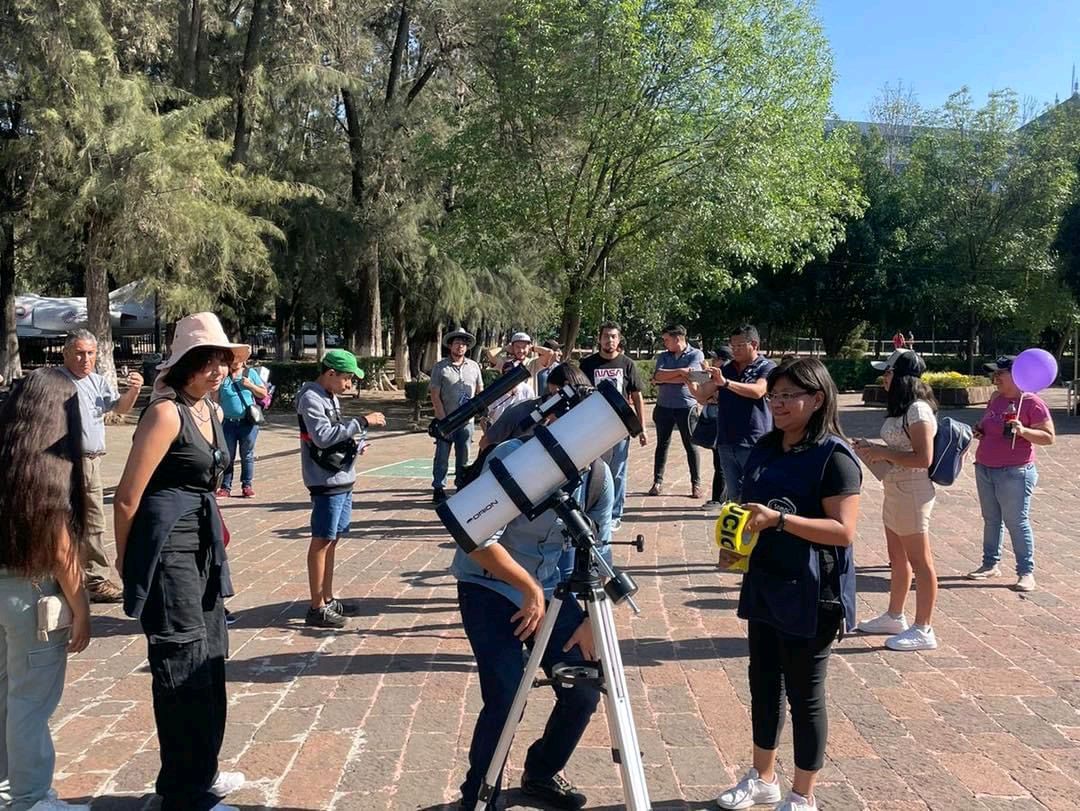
(726, 383)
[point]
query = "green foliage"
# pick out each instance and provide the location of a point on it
(954, 380)
(289, 376)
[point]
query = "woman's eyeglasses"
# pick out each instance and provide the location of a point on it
(785, 397)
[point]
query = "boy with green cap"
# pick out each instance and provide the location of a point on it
(328, 451)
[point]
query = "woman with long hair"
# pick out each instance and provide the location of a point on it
(908, 431)
(802, 488)
(42, 522)
(170, 550)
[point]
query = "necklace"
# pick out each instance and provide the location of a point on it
(202, 416)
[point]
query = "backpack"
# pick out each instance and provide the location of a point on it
(950, 444)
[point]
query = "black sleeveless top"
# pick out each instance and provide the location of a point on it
(192, 465)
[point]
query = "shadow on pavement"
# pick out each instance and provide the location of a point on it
(281, 668)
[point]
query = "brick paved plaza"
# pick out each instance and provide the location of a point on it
(379, 716)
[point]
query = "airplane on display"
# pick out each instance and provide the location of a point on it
(131, 310)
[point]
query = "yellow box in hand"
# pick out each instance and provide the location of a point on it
(729, 533)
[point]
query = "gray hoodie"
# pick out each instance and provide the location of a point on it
(321, 424)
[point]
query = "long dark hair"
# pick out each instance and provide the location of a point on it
(41, 472)
(810, 374)
(905, 390)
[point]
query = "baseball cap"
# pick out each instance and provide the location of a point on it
(341, 360)
(902, 362)
(1002, 364)
(520, 336)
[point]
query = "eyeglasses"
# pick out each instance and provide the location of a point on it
(786, 397)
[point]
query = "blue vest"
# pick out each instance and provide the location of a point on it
(783, 585)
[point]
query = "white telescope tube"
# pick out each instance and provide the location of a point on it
(584, 433)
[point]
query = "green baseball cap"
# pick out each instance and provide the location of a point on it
(341, 360)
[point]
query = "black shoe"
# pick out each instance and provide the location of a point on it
(344, 607)
(230, 617)
(325, 617)
(556, 791)
(438, 495)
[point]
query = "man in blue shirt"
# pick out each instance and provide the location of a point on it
(673, 404)
(744, 415)
(503, 591)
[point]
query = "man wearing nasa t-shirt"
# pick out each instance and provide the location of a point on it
(609, 363)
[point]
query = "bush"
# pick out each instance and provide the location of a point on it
(954, 380)
(851, 374)
(289, 376)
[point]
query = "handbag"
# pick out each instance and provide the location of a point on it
(704, 426)
(53, 614)
(253, 415)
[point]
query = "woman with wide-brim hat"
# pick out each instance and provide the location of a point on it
(171, 554)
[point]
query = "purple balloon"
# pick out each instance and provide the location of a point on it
(1034, 370)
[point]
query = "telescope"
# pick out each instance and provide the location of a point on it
(555, 456)
(477, 406)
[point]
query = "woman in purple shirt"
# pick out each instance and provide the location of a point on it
(1005, 472)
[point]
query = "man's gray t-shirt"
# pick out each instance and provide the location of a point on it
(677, 395)
(456, 384)
(96, 399)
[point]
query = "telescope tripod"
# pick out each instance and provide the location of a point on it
(606, 673)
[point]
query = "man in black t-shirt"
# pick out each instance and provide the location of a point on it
(609, 363)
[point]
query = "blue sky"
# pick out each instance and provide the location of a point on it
(936, 47)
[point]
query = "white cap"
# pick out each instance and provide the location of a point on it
(520, 336)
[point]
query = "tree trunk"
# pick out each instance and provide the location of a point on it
(189, 31)
(400, 343)
(571, 321)
(245, 85)
(298, 329)
(282, 328)
(10, 364)
(96, 280)
(369, 307)
(320, 334)
(972, 333)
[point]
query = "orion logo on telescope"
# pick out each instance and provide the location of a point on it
(482, 510)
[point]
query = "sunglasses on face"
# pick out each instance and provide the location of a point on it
(785, 397)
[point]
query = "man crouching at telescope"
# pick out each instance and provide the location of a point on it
(503, 589)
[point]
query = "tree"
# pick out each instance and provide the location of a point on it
(619, 124)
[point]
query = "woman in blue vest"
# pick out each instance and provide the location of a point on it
(802, 487)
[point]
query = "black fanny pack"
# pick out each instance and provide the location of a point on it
(337, 457)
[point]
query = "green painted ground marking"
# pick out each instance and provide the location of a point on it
(405, 469)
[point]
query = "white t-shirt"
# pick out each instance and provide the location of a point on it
(892, 431)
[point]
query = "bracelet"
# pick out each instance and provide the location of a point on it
(726, 383)
(780, 523)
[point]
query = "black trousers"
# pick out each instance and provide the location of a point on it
(782, 664)
(184, 621)
(717, 477)
(667, 419)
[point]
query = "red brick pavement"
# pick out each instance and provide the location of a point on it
(380, 716)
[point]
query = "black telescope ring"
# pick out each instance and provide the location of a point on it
(559, 456)
(507, 483)
(619, 405)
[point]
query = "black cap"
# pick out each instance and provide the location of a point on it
(902, 362)
(1002, 364)
(722, 352)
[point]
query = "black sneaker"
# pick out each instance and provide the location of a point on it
(438, 495)
(325, 617)
(230, 617)
(344, 607)
(556, 791)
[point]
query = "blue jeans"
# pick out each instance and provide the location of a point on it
(331, 515)
(31, 683)
(244, 434)
(461, 440)
(733, 459)
(616, 459)
(1005, 501)
(499, 658)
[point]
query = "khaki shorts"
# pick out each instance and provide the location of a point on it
(908, 504)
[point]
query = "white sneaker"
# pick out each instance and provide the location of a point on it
(54, 803)
(223, 807)
(797, 802)
(913, 639)
(616, 524)
(749, 791)
(226, 783)
(984, 573)
(1026, 582)
(885, 624)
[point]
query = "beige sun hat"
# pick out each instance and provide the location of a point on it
(198, 330)
(193, 332)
